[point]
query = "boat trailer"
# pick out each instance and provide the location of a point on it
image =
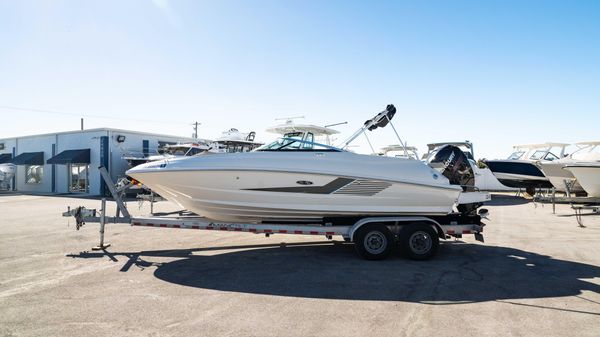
(374, 237)
(578, 204)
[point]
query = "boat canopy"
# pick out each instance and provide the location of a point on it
(588, 143)
(292, 127)
(540, 146)
(397, 147)
(466, 144)
(538, 151)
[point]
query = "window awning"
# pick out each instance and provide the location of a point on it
(5, 158)
(29, 158)
(71, 157)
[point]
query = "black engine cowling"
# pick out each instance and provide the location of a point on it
(453, 164)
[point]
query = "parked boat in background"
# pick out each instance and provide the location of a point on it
(588, 175)
(520, 169)
(305, 132)
(399, 151)
(233, 141)
(134, 158)
(562, 180)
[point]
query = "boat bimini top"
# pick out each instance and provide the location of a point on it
(538, 151)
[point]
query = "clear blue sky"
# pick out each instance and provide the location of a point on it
(495, 72)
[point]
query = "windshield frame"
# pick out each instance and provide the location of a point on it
(301, 146)
(516, 155)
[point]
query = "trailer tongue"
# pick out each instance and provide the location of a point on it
(374, 237)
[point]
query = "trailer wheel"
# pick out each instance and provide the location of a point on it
(530, 191)
(374, 242)
(420, 241)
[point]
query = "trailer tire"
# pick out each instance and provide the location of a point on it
(419, 241)
(374, 242)
(530, 191)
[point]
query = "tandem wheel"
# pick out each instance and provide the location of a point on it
(419, 241)
(374, 242)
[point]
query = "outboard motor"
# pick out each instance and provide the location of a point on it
(453, 164)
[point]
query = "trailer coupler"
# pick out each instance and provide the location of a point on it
(80, 214)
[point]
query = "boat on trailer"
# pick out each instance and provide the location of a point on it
(293, 186)
(292, 179)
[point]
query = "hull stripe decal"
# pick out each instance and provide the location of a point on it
(330, 187)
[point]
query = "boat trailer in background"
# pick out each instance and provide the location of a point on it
(578, 204)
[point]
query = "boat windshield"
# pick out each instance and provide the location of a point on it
(182, 150)
(295, 144)
(516, 155)
(543, 154)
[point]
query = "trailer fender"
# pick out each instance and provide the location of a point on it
(405, 219)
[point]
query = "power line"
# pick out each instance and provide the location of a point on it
(85, 115)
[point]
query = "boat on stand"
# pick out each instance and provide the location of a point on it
(520, 169)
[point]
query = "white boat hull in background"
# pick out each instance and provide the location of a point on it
(557, 176)
(588, 175)
(485, 180)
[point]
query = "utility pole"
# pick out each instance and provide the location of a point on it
(81, 124)
(195, 125)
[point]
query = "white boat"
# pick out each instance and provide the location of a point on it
(399, 151)
(520, 169)
(297, 180)
(484, 179)
(233, 140)
(7, 172)
(564, 180)
(230, 141)
(134, 158)
(306, 132)
(588, 175)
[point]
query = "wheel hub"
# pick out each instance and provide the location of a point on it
(375, 242)
(420, 242)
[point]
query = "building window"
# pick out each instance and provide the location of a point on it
(34, 174)
(78, 178)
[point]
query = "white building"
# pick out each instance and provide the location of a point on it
(68, 162)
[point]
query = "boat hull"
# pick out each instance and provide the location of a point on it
(270, 196)
(518, 174)
(252, 187)
(557, 176)
(588, 176)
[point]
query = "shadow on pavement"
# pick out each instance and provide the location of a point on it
(506, 200)
(459, 273)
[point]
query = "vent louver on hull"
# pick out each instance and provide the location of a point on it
(363, 187)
